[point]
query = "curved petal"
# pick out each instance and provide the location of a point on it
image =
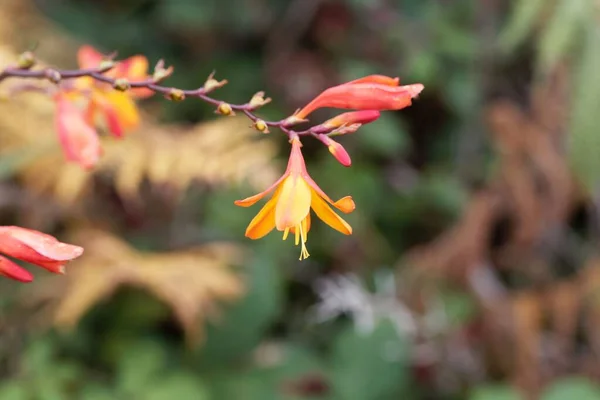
(293, 204)
(120, 112)
(250, 201)
(325, 213)
(345, 204)
(264, 221)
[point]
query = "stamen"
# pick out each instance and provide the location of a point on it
(304, 252)
(297, 231)
(285, 233)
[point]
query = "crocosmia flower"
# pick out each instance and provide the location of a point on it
(374, 92)
(288, 210)
(79, 140)
(33, 247)
(117, 109)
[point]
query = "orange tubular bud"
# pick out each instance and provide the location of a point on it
(352, 118)
(337, 150)
(379, 79)
(363, 96)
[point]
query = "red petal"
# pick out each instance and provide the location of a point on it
(11, 270)
(79, 140)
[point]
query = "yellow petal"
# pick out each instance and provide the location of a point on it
(325, 213)
(249, 201)
(125, 108)
(263, 222)
(293, 204)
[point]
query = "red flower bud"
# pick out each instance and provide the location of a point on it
(37, 248)
(363, 96)
(11, 270)
(348, 119)
(337, 150)
(379, 79)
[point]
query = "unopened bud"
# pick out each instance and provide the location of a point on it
(160, 72)
(53, 75)
(176, 95)
(225, 109)
(258, 100)
(346, 129)
(261, 126)
(121, 84)
(26, 60)
(337, 150)
(106, 65)
(212, 84)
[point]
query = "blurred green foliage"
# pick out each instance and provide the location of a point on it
(411, 177)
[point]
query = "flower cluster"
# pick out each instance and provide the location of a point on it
(85, 103)
(33, 247)
(296, 193)
(102, 92)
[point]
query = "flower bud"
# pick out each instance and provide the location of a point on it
(337, 150)
(261, 126)
(53, 75)
(225, 109)
(122, 84)
(258, 100)
(26, 60)
(212, 84)
(176, 95)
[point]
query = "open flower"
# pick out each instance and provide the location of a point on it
(117, 109)
(374, 92)
(288, 210)
(33, 247)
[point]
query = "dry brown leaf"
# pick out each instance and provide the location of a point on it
(191, 282)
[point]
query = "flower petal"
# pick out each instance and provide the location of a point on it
(37, 248)
(79, 140)
(325, 213)
(293, 203)
(11, 270)
(345, 204)
(89, 57)
(249, 201)
(380, 79)
(264, 221)
(120, 111)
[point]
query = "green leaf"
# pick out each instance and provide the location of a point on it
(562, 31)
(584, 146)
(180, 386)
(495, 392)
(370, 366)
(242, 326)
(521, 23)
(139, 365)
(572, 388)
(14, 390)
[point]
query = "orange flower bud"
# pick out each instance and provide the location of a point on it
(363, 96)
(337, 150)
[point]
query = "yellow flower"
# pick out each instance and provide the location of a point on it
(288, 210)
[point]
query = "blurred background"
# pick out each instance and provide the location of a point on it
(472, 272)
